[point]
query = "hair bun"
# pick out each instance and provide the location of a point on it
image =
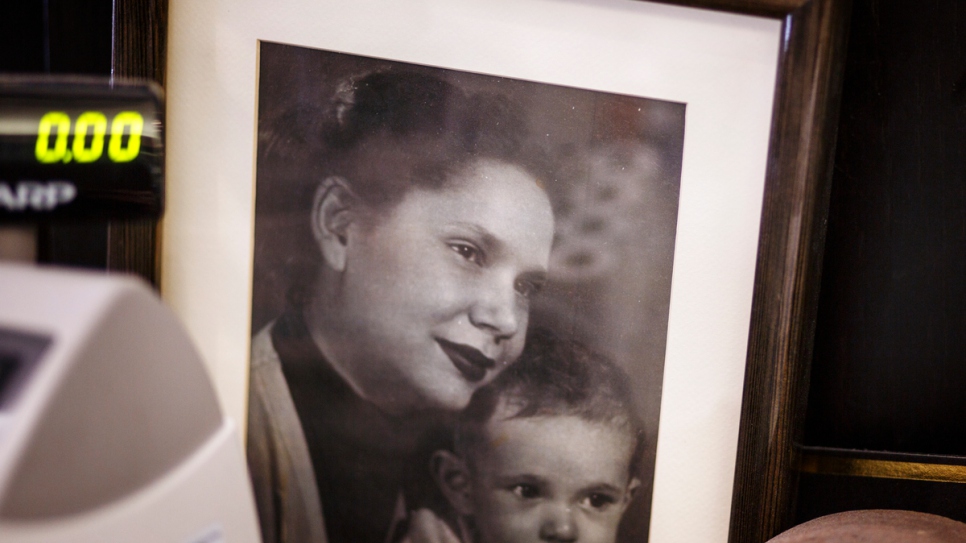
(343, 100)
(398, 103)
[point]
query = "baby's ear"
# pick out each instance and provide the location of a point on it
(631, 491)
(453, 478)
(332, 212)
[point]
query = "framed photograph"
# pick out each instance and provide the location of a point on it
(498, 271)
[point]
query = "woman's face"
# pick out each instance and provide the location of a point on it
(435, 293)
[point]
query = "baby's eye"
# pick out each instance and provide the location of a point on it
(600, 501)
(525, 491)
(468, 251)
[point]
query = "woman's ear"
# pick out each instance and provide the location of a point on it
(453, 478)
(332, 213)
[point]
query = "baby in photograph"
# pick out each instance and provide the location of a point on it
(549, 451)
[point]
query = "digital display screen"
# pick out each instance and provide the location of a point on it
(19, 354)
(79, 147)
(86, 136)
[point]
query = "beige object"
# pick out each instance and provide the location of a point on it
(876, 526)
(109, 428)
(278, 455)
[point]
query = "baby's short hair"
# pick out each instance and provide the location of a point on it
(555, 377)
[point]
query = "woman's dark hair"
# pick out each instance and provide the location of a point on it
(386, 133)
(389, 132)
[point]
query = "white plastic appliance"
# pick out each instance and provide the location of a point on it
(110, 430)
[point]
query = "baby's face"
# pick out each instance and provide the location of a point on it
(557, 478)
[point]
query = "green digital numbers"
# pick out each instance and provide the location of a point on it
(96, 121)
(134, 123)
(90, 129)
(50, 121)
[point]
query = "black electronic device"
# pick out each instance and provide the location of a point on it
(79, 147)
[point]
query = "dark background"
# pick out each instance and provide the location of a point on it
(56, 36)
(889, 371)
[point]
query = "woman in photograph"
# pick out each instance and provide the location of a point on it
(430, 233)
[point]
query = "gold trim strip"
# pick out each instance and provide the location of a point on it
(885, 469)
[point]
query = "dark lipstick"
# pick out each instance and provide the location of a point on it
(468, 360)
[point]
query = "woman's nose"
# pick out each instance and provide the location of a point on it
(497, 309)
(558, 525)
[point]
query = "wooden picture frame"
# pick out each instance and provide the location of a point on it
(796, 184)
(789, 259)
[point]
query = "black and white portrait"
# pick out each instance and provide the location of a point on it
(460, 303)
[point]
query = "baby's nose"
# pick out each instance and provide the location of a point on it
(558, 524)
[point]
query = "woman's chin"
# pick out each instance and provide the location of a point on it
(451, 398)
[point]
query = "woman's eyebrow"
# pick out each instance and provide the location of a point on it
(484, 237)
(493, 245)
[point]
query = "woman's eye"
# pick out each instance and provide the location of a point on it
(525, 491)
(527, 289)
(600, 501)
(468, 252)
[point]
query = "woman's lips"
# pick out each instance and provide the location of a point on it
(472, 363)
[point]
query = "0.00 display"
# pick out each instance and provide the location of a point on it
(90, 131)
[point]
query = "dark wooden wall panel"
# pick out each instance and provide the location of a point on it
(22, 42)
(890, 355)
(139, 51)
(79, 36)
(889, 369)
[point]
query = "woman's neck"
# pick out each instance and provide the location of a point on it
(317, 316)
(325, 324)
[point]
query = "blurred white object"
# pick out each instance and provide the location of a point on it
(109, 426)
